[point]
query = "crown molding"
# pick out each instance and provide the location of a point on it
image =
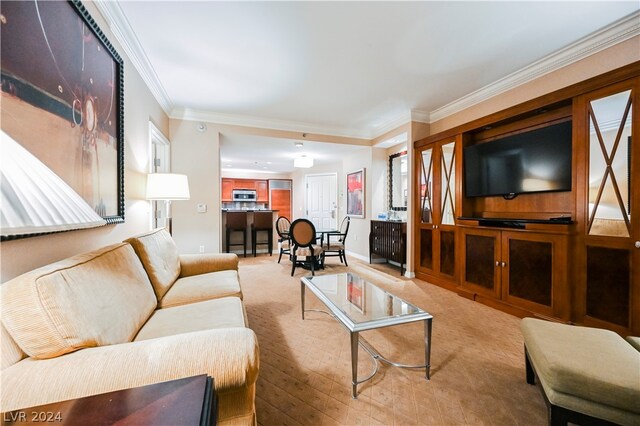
(119, 25)
(266, 123)
(611, 35)
(420, 116)
(292, 126)
(391, 124)
(602, 39)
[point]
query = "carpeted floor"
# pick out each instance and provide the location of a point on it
(477, 374)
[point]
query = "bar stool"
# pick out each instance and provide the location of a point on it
(262, 221)
(237, 222)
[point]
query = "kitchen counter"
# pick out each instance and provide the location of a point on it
(237, 237)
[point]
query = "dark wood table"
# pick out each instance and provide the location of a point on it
(188, 401)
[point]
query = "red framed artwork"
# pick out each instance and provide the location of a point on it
(355, 194)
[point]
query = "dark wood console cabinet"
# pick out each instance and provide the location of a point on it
(388, 239)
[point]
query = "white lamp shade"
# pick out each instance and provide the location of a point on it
(303, 162)
(167, 186)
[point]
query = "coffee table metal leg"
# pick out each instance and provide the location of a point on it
(354, 363)
(427, 347)
(302, 288)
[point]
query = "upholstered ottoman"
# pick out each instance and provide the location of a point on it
(586, 374)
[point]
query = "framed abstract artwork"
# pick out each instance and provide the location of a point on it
(62, 121)
(355, 193)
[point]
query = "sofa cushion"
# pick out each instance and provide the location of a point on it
(589, 363)
(213, 285)
(11, 352)
(159, 256)
(229, 355)
(93, 299)
(219, 313)
(196, 264)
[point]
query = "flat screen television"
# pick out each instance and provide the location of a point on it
(534, 161)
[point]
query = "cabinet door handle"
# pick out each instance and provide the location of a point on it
(503, 264)
(637, 244)
(497, 263)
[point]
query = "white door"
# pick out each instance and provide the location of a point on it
(322, 200)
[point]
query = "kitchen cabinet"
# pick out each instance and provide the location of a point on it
(227, 189)
(262, 189)
(260, 186)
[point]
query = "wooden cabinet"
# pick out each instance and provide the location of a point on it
(608, 248)
(586, 271)
(436, 229)
(481, 256)
(244, 184)
(388, 239)
(227, 189)
(262, 189)
(260, 186)
(524, 269)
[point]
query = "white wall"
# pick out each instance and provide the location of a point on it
(197, 155)
(22, 255)
(358, 239)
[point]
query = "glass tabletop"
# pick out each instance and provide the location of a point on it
(361, 305)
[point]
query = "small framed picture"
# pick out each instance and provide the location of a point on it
(355, 194)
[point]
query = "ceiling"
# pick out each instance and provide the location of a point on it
(241, 153)
(350, 68)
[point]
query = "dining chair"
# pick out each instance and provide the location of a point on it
(336, 247)
(303, 238)
(283, 225)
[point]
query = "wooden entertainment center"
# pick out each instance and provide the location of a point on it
(570, 256)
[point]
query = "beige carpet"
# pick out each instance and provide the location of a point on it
(477, 374)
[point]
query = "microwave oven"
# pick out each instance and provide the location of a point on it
(244, 195)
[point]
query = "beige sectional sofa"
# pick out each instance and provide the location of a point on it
(128, 315)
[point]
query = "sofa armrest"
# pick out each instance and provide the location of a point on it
(229, 355)
(635, 341)
(196, 264)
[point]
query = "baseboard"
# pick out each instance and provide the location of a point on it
(357, 256)
(249, 252)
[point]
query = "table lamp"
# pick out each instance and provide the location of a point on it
(167, 187)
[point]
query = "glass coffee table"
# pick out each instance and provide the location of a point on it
(360, 306)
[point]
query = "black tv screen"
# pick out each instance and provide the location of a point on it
(534, 161)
